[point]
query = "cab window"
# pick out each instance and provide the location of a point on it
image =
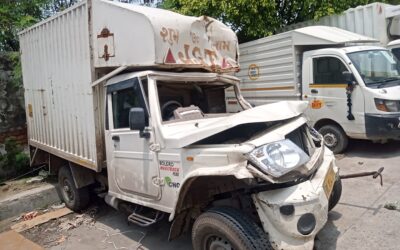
(328, 70)
(124, 96)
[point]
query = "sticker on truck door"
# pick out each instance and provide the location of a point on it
(170, 166)
(317, 104)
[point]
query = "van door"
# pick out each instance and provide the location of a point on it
(132, 166)
(326, 93)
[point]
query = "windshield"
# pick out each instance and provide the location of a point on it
(376, 67)
(181, 101)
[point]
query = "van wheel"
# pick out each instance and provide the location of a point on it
(335, 138)
(74, 198)
(336, 194)
(227, 228)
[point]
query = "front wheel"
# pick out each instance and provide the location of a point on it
(227, 228)
(334, 138)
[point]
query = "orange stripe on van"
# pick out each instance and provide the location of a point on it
(328, 85)
(266, 89)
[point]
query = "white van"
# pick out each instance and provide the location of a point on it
(353, 89)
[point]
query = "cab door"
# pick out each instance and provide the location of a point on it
(326, 93)
(132, 166)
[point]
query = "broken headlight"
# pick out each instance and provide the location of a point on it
(278, 158)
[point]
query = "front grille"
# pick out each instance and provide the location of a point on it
(299, 137)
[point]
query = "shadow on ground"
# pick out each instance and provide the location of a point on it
(369, 149)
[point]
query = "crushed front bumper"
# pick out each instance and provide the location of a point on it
(292, 216)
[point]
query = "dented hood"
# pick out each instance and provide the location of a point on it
(181, 134)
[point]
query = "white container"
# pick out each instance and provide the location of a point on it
(373, 20)
(64, 56)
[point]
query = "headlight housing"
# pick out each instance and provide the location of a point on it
(387, 105)
(278, 158)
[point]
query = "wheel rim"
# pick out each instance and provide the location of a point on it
(330, 140)
(214, 242)
(67, 191)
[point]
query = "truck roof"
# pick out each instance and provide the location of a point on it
(178, 77)
(138, 36)
(317, 35)
(314, 35)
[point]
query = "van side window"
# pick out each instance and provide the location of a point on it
(328, 70)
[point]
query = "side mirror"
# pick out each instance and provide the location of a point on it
(137, 121)
(349, 77)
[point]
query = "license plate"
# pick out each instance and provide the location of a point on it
(329, 181)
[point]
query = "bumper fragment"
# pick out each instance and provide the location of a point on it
(292, 216)
(382, 126)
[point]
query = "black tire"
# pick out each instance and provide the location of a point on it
(335, 138)
(74, 198)
(228, 228)
(336, 194)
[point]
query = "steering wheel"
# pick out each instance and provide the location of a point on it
(167, 110)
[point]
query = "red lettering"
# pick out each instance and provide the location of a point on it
(197, 55)
(211, 55)
(185, 57)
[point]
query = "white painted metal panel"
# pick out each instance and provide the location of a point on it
(57, 77)
(127, 34)
(369, 20)
(274, 64)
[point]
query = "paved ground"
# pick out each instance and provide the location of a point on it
(359, 221)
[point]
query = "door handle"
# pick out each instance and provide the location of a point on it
(115, 138)
(314, 91)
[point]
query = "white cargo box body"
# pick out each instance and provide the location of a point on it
(64, 55)
(370, 20)
(271, 66)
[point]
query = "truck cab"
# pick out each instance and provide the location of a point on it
(353, 92)
(173, 147)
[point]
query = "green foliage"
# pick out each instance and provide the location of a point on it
(14, 161)
(16, 15)
(252, 19)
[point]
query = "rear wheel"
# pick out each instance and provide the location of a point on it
(74, 198)
(227, 228)
(334, 138)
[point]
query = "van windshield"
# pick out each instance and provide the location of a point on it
(181, 101)
(378, 68)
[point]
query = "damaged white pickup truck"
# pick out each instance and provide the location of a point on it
(139, 113)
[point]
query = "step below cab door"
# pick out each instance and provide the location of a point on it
(325, 91)
(132, 166)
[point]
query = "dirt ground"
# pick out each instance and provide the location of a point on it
(359, 221)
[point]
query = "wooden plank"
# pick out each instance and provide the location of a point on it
(12, 240)
(24, 225)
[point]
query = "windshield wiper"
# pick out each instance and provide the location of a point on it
(386, 80)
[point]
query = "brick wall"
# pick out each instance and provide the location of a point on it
(19, 133)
